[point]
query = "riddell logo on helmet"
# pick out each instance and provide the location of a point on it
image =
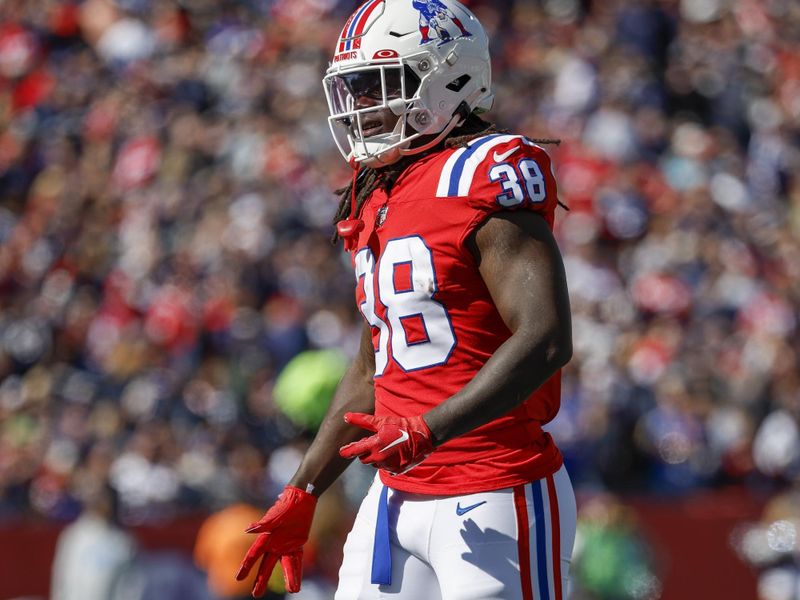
(345, 56)
(386, 54)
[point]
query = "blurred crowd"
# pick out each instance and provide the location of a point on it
(166, 195)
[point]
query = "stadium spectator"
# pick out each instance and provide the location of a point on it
(93, 551)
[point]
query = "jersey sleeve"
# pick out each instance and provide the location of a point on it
(500, 173)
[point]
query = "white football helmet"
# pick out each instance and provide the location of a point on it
(426, 61)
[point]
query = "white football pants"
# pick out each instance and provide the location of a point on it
(509, 544)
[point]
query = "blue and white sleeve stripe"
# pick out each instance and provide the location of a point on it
(459, 170)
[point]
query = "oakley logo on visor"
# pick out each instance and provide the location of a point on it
(386, 54)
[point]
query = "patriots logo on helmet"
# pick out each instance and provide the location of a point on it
(434, 14)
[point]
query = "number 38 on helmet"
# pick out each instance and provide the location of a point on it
(404, 74)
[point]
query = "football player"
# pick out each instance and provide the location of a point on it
(467, 325)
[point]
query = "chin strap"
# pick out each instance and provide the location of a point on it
(349, 229)
(439, 137)
(459, 116)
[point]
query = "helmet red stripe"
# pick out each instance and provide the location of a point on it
(365, 17)
(343, 37)
(349, 27)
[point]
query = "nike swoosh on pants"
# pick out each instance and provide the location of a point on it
(462, 511)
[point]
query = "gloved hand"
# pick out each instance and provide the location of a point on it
(283, 531)
(399, 443)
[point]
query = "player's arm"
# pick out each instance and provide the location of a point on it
(284, 528)
(355, 393)
(522, 268)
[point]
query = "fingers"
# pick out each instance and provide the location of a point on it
(256, 550)
(362, 420)
(264, 572)
(364, 446)
(262, 526)
(292, 565)
(269, 519)
(358, 448)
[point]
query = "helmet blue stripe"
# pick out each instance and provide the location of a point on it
(354, 23)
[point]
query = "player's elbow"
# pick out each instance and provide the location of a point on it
(546, 353)
(545, 344)
(559, 352)
(559, 342)
(554, 350)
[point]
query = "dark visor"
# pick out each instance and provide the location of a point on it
(368, 83)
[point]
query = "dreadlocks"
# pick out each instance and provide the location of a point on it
(368, 179)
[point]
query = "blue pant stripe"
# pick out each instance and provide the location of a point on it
(541, 540)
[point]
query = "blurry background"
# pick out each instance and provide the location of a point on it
(166, 178)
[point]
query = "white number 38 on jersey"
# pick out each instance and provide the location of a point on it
(410, 299)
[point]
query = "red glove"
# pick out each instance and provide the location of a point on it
(399, 443)
(284, 529)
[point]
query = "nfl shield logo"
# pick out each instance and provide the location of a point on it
(381, 216)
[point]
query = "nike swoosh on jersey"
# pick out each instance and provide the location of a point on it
(501, 157)
(403, 437)
(462, 511)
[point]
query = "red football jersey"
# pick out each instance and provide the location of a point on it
(434, 324)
